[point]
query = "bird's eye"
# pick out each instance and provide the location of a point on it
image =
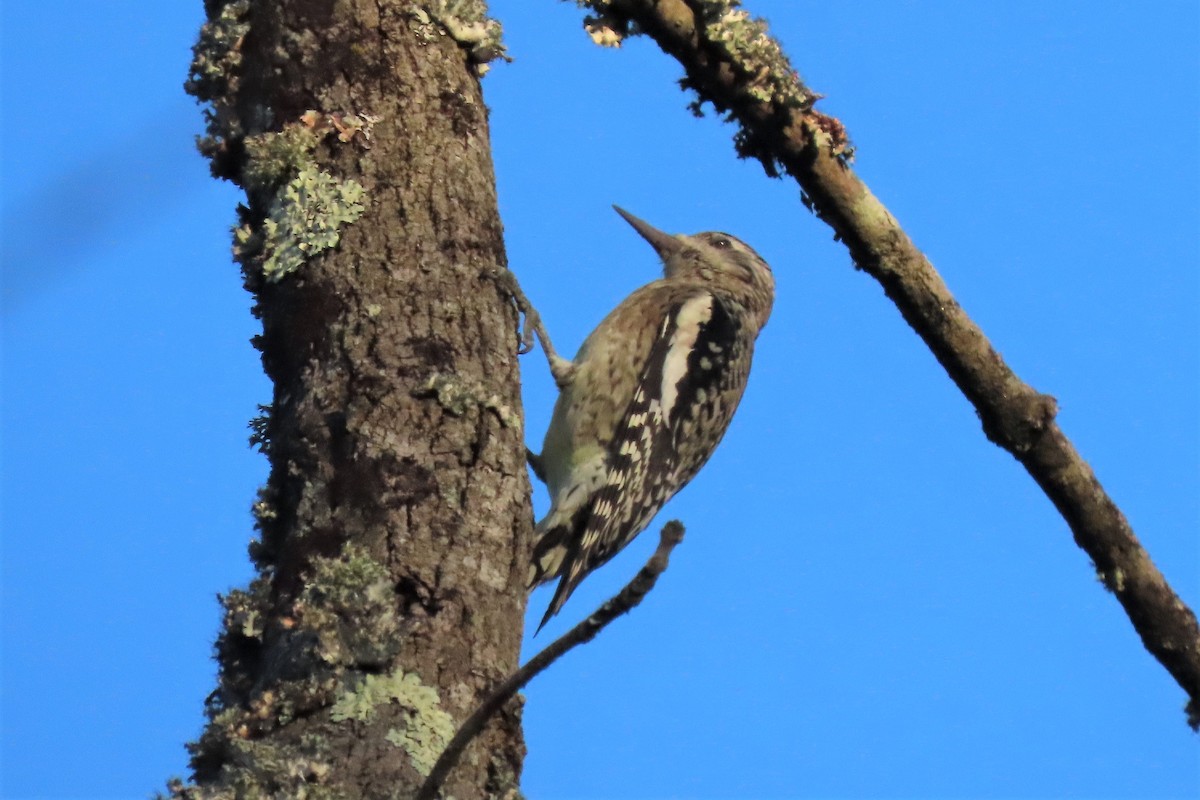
(722, 243)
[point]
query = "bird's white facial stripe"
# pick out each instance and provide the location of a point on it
(694, 313)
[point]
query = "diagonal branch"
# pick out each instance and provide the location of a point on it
(731, 62)
(584, 632)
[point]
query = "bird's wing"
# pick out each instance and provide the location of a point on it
(655, 449)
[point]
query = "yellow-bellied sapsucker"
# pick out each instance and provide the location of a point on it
(646, 400)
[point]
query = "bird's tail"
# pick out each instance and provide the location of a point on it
(552, 558)
(566, 585)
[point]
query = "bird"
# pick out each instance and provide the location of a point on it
(646, 400)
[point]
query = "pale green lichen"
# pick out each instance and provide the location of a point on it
(743, 38)
(427, 728)
(458, 396)
(350, 604)
(466, 22)
(244, 609)
(214, 72)
(260, 769)
(740, 44)
(274, 158)
(305, 218)
(306, 207)
(217, 53)
(747, 44)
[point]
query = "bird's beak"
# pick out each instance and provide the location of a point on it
(664, 243)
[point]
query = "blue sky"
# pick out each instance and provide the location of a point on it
(871, 601)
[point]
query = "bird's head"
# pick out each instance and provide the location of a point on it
(723, 261)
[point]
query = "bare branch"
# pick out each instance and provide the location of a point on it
(731, 62)
(623, 602)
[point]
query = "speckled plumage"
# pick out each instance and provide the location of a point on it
(649, 396)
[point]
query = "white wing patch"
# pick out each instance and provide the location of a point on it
(694, 313)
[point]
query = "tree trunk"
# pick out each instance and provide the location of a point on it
(394, 525)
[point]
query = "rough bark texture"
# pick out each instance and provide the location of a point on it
(732, 63)
(394, 525)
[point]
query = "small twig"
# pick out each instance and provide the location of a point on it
(623, 602)
(560, 367)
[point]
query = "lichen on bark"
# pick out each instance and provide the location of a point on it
(393, 530)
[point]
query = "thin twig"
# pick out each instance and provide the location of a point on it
(730, 61)
(623, 602)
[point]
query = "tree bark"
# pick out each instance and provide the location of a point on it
(394, 525)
